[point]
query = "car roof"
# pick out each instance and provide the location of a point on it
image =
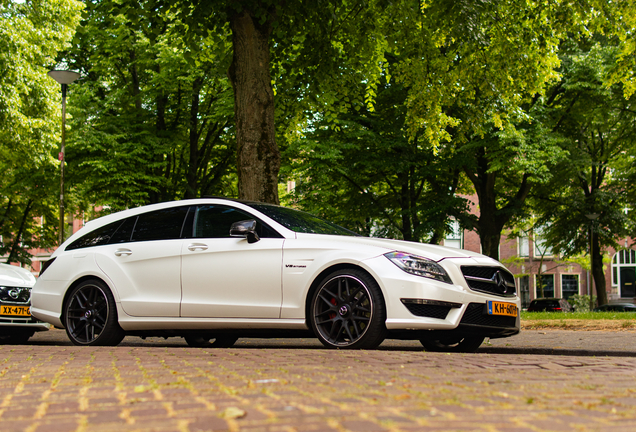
(120, 215)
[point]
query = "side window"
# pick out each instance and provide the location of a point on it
(98, 237)
(163, 224)
(123, 233)
(214, 221)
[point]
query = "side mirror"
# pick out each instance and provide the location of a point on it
(245, 229)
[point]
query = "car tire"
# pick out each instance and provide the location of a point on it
(347, 311)
(90, 315)
(18, 337)
(467, 344)
(198, 341)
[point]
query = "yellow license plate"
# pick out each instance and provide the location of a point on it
(22, 311)
(502, 308)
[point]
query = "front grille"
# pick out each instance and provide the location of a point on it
(491, 280)
(15, 295)
(476, 314)
(428, 310)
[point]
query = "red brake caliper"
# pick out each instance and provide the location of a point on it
(333, 302)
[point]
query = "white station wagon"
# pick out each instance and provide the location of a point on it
(212, 270)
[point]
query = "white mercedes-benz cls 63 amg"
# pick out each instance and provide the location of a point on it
(212, 270)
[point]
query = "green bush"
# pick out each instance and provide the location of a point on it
(581, 303)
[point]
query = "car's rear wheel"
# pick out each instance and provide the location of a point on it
(348, 311)
(90, 315)
(199, 341)
(466, 344)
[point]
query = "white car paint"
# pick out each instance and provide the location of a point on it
(16, 277)
(228, 283)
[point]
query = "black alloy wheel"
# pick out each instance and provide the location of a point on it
(348, 311)
(90, 315)
(199, 341)
(466, 344)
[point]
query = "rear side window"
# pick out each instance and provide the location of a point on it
(158, 225)
(98, 237)
(123, 233)
(163, 224)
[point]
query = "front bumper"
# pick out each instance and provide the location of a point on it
(25, 322)
(417, 304)
(32, 324)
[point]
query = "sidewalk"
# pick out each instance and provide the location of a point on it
(295, 385)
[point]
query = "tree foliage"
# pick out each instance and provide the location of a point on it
(31, 34)
(368, 176)
(152, 119)
(596, 126)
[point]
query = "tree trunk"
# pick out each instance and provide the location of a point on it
(492, 220)
(192, 188)
(597, 270)
(6, 212)
(405, 204)
(13, 255)
(258, 157)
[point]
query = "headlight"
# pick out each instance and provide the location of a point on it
(419, 266)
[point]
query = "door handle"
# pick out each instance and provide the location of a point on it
(197, 246)
(125, 252)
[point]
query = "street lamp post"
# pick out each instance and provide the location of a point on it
(63, 77)
(592, 217)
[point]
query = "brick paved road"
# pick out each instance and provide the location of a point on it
(286, 385)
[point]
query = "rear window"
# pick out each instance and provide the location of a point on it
(163, 224)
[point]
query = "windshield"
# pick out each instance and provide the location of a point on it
(301, 222)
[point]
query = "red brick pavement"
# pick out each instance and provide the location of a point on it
(171, 387)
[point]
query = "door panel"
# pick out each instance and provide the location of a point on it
(628, 282)
(146, 275)
(230, 278)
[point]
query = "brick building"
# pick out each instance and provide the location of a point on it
(535, 267)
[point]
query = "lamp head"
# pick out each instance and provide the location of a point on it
(64, 76)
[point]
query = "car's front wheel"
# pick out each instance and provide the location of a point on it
(90, 315)
(348, 311)
(467, 344)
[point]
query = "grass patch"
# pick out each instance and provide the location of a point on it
(541, 316)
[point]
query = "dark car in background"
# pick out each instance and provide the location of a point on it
(550, 305)
(616, 307)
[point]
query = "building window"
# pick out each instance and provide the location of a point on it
(524, 246)
(454, 236)
(624, 272)
(541, 249)
(569, 285)
(545, 281)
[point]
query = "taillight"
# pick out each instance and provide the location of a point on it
(557, 309)
(46, 264)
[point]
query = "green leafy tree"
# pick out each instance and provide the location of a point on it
(31, 34)
(152, 119)
(596, 125)
(478, 70)
(292, 54)
(368, 176)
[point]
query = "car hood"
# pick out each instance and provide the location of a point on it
(432, 252)
(15, 276)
